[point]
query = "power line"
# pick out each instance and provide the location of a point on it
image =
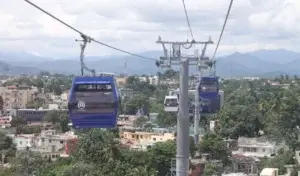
(187, 18)
(223, 28)
(82, 34)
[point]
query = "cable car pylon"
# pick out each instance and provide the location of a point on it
(182, 139)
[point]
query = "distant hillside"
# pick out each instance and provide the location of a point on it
(114, 64)
(261, 62)
(17, 70)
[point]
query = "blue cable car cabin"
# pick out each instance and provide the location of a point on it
(209, 94)
(93, 102)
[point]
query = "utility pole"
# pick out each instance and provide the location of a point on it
(202, 64)
(182, 139)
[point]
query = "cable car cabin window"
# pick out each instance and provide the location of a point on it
(209, 86)
(93, 87)
(171, 102)
(97, 98)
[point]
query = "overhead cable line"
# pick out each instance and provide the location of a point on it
(187, 18)
(82, 34)
(223, 28)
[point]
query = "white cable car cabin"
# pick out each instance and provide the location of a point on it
(171, 103)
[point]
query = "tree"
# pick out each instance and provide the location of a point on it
(52, 116)
(166, 119)
(57, 90)
(210, 170)
(7, 147)
(18, 123)
(215, 145)
(161, 154)
(59, 120)
(1, 103)
(193, 147)
(36, 129)
(132, 81)
(77, 169)
(136, 103)
(97, 146)
(63, 123)
(27, 163)
(170, 73)
(156, 107)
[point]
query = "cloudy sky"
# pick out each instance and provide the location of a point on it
(136, 24)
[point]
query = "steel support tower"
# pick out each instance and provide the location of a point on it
(176, 58)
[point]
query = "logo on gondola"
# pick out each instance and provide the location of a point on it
(81, 105)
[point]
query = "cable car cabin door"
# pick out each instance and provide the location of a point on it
(93, 104)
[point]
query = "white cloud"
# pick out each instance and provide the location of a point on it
(135, 25)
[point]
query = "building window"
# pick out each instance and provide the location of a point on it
(50, 140)
(61, 142)
(154, 139)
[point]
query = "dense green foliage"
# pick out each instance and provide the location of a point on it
(252, 107)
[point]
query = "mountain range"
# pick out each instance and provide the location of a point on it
(263, 63)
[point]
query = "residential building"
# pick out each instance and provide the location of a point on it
(256, 147)
(246, 165)
(17, 97)
(147, 136)
(51, 144)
